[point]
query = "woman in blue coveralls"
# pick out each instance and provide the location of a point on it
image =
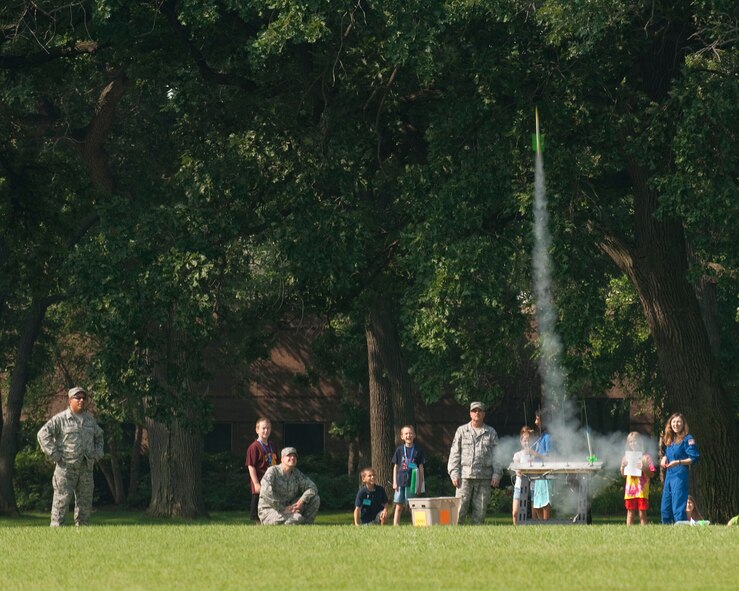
(681, 451)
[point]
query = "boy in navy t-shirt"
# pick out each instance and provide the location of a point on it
(370, 506)
(407, 458)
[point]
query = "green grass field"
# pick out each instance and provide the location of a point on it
(128, 551)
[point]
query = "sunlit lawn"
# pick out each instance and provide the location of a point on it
(127, 551)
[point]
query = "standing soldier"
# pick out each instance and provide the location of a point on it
(471, 464)
(72, 440)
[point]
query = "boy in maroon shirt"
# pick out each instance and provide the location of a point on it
(260, 455)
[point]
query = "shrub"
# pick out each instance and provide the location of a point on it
(336, 492)
(501, 501)
(225, 482)
(437, 478)
(32, 482)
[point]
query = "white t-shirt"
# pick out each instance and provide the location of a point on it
(521, 457)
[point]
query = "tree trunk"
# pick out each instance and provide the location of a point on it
(176, 457)
(388, 343)
(705, 291)
(18, 382)
(133, 477)
(657, 266)
(691, 376)
(111, 482)
(381, 416)
(351, 456)
(118, 490)
(91, 149)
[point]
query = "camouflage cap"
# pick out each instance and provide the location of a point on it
(476, 405)
(289, 450)
(76, 390)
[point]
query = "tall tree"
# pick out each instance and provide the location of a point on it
(47, 196)
(628, 104)
(382, 432)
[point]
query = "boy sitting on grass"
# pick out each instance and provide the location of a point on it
(370, 506)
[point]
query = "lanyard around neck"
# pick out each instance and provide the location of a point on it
(267, 451)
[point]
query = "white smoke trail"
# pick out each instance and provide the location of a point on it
(546, 313)
(570, 440)
(559, 410)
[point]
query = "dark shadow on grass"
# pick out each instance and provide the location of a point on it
(113, 516)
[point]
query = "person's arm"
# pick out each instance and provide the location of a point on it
(252, 457)
(648, 467)
(395, 476)
(385, 505)
(266, 494)
(454, 464)
(495, 480)
(254, 478)
(692, 450)
(536, 454)
(310, 490)
(47, 438)
(546, 445)
(421, 473)
(357, 512)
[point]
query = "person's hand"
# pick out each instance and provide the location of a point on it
(455, 482)
(495, 481)
(257, 488)
(663, 462)
(295, 507)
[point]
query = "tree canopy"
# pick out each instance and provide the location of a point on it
(173, 173)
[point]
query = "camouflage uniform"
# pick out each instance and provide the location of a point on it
(278, 490)
(471, 461)
(74, 442)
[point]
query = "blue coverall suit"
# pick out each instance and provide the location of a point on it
(677, 480)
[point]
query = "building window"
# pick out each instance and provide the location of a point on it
(218, 439)
(307, 438)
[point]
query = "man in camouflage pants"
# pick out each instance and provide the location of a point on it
(472, 466)
(72, 440)
(287, 496)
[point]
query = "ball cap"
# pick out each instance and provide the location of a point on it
(289, 450)
(476, 405)
(76, 390)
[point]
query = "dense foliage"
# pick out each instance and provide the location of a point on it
(177, 177)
